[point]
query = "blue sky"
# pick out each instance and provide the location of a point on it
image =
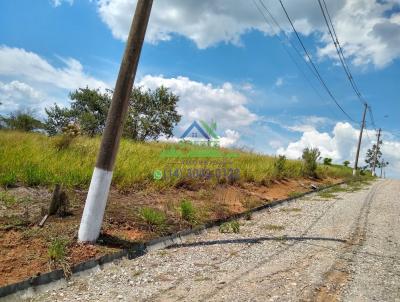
(224, 61)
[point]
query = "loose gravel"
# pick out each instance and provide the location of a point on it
(345, 248)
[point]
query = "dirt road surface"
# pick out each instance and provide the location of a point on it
(345, 248)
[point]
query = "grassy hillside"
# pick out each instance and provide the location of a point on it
(33, 159)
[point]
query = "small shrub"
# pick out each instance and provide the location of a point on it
(224, 228)
(58, 250)
(279, 165)
(187, 211)
(230, 227)
(235, 226)
(152, 217)
(64, 140)
(310, 157)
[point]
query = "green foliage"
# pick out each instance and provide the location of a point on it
(230, 227)
(57, 119)
(31, 158)
(327, 161)
(154, 218)
(346, 163)
(279, 165)
(310, 157)
(187, 211)
(370, 156)
(22, 121)
(57, 250)
(64, 140)
(151, 114)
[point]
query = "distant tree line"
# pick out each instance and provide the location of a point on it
(151, 113)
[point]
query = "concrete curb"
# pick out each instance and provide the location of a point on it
(141, 249)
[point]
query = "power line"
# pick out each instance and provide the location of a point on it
(339, 49)
(284, 45)
(314, 66)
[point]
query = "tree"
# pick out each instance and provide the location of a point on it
(327, 161)
(23, 121)
(151, 114)
(57, 119)
(346, 163)
(310, 157)
(370, 156)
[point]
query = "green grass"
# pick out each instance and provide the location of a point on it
(187, 211)
(154, 218)
(33, 159)
(230, 227)
(57, 250)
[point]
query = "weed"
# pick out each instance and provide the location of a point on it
(295, 194)
(58, 249)
(235, 226)
(225, 227)
(230, 227)
(279, 165)
(273, 227)
(31, 159)
(310, 157)
(187, 211)
(154, 218)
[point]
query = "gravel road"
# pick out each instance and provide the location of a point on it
(340, 249)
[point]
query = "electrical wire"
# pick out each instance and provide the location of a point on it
(322, 81)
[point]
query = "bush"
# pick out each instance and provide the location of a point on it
(58, 250)
(187, 211)
(346, 163)
(154, 218)
(310, 157)
(64, 140)
(279, 165)
(230, 227)
(327, 161)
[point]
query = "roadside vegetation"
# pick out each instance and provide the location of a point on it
(34, 159)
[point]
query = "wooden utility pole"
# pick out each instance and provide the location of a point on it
(376, 152)
(360, 139)
(97, 196)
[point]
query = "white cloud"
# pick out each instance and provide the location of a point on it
(199, 101)
(22, 64)
(340, 145)
(279, 82)
(16, 96)
(367, 34)
(230, 138)
(57, 3)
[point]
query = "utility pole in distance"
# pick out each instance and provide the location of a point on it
(360, 139)
(97, 196)
(376, 152)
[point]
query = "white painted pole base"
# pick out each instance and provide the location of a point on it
(95, 205)
(354, 172)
